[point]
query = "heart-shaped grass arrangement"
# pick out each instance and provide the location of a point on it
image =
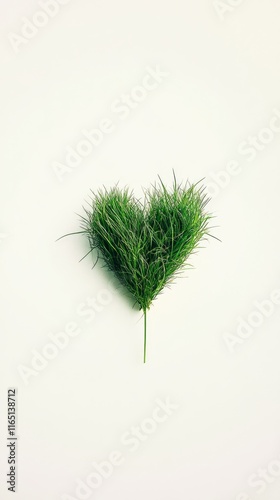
(146, 243)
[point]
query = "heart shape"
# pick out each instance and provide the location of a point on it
(147, 243)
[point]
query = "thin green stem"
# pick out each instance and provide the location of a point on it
(145, 333)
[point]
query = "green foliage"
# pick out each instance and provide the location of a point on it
(146, 244)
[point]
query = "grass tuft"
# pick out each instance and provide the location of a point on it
(146, 244)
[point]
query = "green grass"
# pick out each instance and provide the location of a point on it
(147, 243)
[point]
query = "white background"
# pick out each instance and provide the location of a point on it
(222, 87)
